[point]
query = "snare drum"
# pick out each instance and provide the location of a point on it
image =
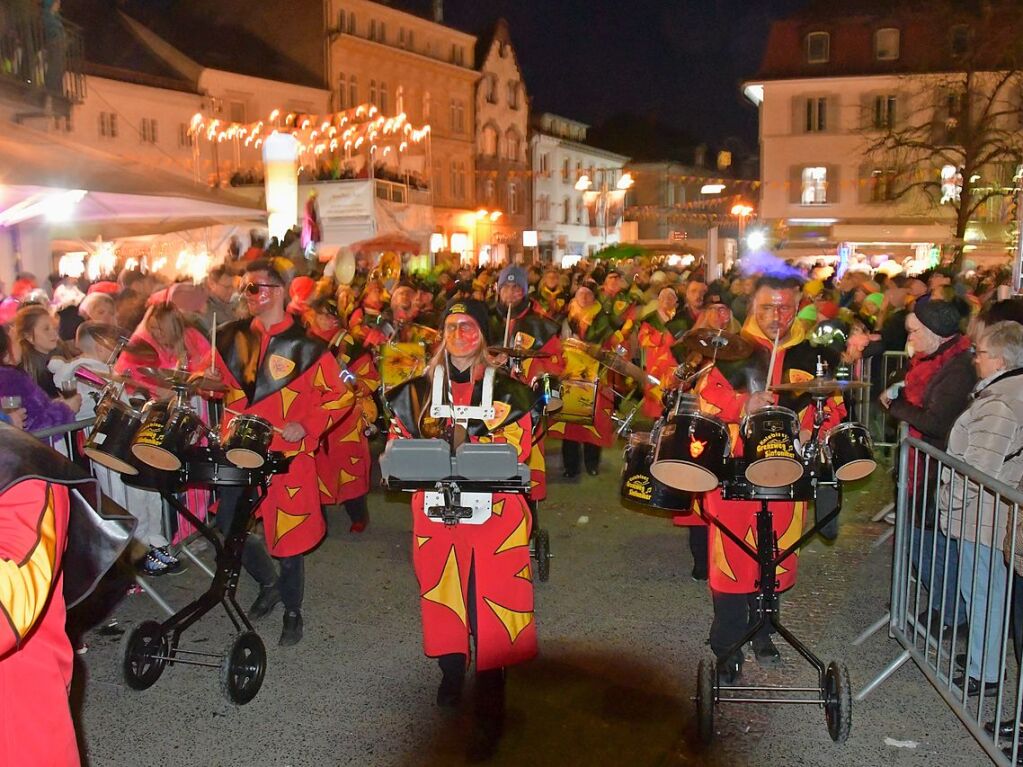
(548, 391)
(691, 452)
(247, 442)
(167, 433)
(578, 402)
(770, 439)
(639, 487)
(852, 451)
(109, 442)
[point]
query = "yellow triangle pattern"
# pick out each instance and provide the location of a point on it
(318, 380)
(287, 397)
(514, 622)
(352, 436)
(498, 508)
(286, 522)
(323, 487)
(233, 395)
(292, 491)
(718, 558)
(346, 477)
(519, 537)
(448, 591)
(525, 574)
(421, 540)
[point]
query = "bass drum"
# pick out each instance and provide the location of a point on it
(639, 487)
(852, 452)
(691, 452)
(770, 439)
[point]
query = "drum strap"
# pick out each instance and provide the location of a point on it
(440, 407)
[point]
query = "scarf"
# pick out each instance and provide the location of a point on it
(923, 368)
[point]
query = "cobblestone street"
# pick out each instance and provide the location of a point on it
(622, 627)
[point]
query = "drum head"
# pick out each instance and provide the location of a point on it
(855, 470)
(105, 459)
(156, 457)
(553, 405)
(683, 475)
(774, 472)
(245, 459)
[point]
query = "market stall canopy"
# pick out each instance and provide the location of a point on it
(384, 243)
(84, 192)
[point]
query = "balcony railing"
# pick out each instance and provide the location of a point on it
(41, 55)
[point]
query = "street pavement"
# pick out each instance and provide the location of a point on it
(622, 628)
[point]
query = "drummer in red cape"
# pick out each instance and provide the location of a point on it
(475, 580)
(518, 322)
(730, 391)
(274, 370)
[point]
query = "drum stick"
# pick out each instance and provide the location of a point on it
(238, 412)
(774, 358)
(213, 344)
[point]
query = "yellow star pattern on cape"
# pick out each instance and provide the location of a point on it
(233, 395)
(519, 537)
(292, 491)
(514, 622)
(719, 559)
(498, 508)
(448, 591)
(287, 398)
(286, 522)
(422, 540)
(525, 574)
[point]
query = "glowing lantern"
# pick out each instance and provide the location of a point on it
(280, 159)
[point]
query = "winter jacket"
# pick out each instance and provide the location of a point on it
(945, 397)
(989, 438)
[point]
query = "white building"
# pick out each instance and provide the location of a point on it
(573, 183)
(829, 88)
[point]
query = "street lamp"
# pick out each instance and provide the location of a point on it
(743, 210)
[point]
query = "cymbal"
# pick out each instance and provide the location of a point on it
(182, 379)
(820, 386)
(623, 367)
(112, 378)
(142, 351)
(516, 353)
(718, 344)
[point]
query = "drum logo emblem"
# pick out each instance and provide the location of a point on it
(280, 367)
(638, 486)
(696, 447)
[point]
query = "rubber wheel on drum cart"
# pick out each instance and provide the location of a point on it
(542, 554)
(837, 701)
(143, 655)
(243, 668)
(706, 674)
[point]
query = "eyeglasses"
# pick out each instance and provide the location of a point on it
(253, 288)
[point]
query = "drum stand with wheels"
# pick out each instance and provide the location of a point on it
(833, 691)
(151, 646)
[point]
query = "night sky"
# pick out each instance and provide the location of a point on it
(678, 60)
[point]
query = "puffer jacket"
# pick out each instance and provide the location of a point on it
(988, 436)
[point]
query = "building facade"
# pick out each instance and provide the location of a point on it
(573, 184)
(503, 179)
(859, 152)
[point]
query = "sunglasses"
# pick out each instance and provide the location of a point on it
(253, 288)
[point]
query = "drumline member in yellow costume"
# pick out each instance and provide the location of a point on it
(731, 391)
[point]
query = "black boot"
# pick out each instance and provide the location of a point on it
(766, 653)
(449, 693)
(291, 634)
(730, 668)
(266, 601)
(488, 719)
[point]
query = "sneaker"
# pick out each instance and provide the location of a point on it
(162, 553)
(151, 565)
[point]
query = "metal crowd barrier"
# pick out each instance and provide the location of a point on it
(883, 428)
(64, 439)
(952, 591)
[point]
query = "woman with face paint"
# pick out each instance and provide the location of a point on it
(475, 580)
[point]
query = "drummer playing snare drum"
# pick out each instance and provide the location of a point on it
(730, 391)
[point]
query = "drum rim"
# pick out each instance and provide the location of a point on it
(247, 451)
(802, 471)
(92, 452)
(161, 450)
(853, 463)
(704, 469)
(767, 411)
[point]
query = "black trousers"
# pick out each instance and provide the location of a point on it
(570, 452)
(734, 615)
(255, 558)
(698, 548)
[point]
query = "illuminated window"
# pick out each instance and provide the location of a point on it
(951, 184)
(886, 44)
(818, 47)
(882, 185)
(489, 141)
(815, 186)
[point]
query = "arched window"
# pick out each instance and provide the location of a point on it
(818, 48)
(488, 141)
(886, 44)
(512, 145)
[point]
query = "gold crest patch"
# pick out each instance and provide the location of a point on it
(501, 411)
(280, 367)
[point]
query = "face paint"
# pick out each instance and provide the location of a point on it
(462, 335)
(259, 294)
